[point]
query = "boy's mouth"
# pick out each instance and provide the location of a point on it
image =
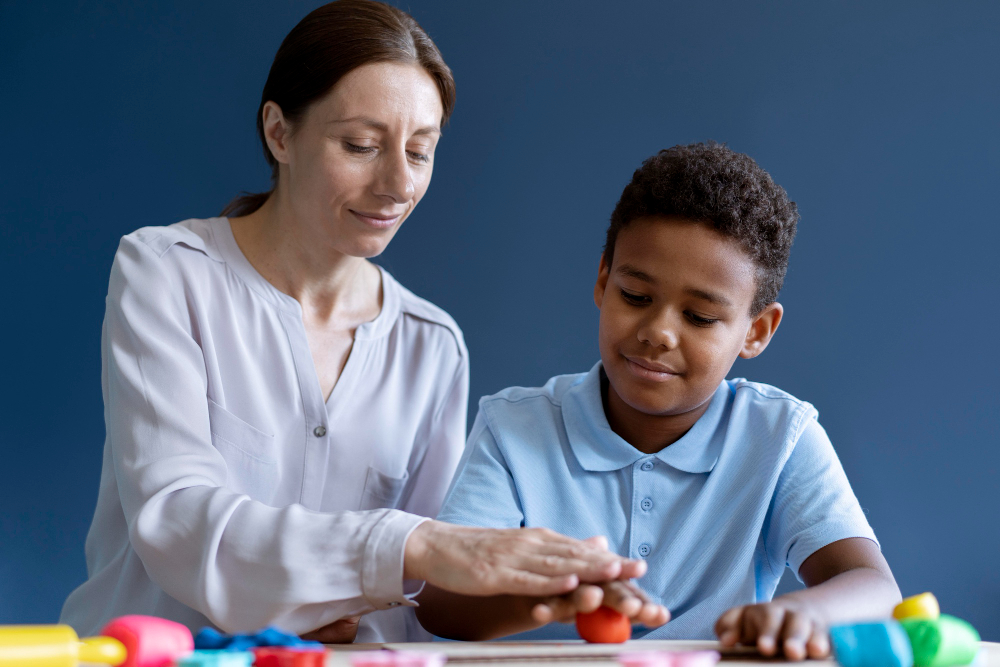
(650, 370)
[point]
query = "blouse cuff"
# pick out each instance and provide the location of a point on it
(382, 570)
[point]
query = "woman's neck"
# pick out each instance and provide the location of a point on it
(324, 281)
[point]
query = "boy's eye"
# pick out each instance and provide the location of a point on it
(700, 321)
(635, 299)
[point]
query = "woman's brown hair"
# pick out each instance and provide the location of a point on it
(327, 44)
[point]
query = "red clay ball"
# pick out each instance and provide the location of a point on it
(604, 626)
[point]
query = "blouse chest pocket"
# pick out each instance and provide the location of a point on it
(381, 490)
(249, 452)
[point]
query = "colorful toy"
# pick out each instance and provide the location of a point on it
(283, 656)
(150, 641)
(604, 626)
(55, 646)
(924, 605)
(882, 644)
(210, 638)
(669, 659)
(397, 659)
(216, 658)
(939, 642)
(922, 637)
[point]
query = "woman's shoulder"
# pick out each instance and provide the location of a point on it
(194, 234)
(424, 314)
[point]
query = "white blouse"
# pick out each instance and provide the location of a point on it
(231, 493)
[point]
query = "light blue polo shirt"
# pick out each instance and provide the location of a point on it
(755, 485)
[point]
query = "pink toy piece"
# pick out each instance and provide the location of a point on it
(150, 641)
(646, 659)
(418, 659)
(372, 659)
(696, 659)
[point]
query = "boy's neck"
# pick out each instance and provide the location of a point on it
(647, 433)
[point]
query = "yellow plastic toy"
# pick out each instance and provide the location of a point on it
(55, 646)
(924, 605)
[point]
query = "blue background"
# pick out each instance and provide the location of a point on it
(880, 119)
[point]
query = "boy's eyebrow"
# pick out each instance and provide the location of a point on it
(632, 272)
(708, 296)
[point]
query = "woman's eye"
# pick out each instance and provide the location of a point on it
(354, 148)
(419, 157)
(634, 299)
(700, 321)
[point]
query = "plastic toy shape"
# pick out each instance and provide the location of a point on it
(55, 646)
(216, 659)
(883, 644)
(696, 658)
(942, 641)
(397, 659)
(924, 605)
(150, 641)
(604, 626)
(210, 638)
(283, 656)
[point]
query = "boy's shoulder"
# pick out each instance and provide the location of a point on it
(552, 392)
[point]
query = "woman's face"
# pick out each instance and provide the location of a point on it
(361, 158)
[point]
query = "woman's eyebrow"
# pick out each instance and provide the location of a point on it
(382, 127)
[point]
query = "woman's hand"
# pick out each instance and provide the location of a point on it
(342, 631)
(796, 628)
(517, 561)
(623, 596)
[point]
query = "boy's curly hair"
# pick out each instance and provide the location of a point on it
(712, 184)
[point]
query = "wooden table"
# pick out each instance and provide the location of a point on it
(579, 654)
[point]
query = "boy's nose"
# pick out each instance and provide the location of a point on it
(660, 331)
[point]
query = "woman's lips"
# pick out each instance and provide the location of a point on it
(377, 220)
(649, 370)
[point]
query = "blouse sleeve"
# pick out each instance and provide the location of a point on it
(239, 562)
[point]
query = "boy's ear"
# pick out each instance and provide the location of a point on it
(603, 271)
(761, 330)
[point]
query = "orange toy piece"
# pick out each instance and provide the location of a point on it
(604, 626)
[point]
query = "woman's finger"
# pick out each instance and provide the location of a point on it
(729, 627)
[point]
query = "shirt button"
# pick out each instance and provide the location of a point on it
(647, 466)
(319, 431)
(646, 504)
(393, 604)
(644, 550)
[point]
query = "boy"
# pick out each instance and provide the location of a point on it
(717, 484)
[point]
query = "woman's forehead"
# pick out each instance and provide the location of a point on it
(386, 94)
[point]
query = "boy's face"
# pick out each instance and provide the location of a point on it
(675, 308)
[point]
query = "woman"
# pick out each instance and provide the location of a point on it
(281, 414)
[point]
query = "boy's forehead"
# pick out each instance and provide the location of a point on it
(676, 250)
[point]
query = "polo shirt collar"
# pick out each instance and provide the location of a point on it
(600, 449)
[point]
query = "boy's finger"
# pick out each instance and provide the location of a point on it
(622, 598)
(763, 623)
(587, 598)
(818, 645)
(653, 615)
(728, 627)
(795, 632)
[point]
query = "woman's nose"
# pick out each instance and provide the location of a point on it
(394, 177)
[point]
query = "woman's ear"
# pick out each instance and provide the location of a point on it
(603, 271)
(276, 131)
(761, 330)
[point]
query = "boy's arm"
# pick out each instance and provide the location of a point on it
(848, 580)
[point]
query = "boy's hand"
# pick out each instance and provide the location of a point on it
(794, 627)
(623, 596)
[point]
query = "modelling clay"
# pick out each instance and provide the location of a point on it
(210, 638)
(216, 658)
(604, 626)
(284, 656)
(924, 605)
(645, 659)
(882, 644)
(150, 641)
(417, 659)
(695, 658)
(372, 659)
(942, 641)
(55, 646)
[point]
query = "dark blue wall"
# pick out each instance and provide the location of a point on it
(880, 119)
